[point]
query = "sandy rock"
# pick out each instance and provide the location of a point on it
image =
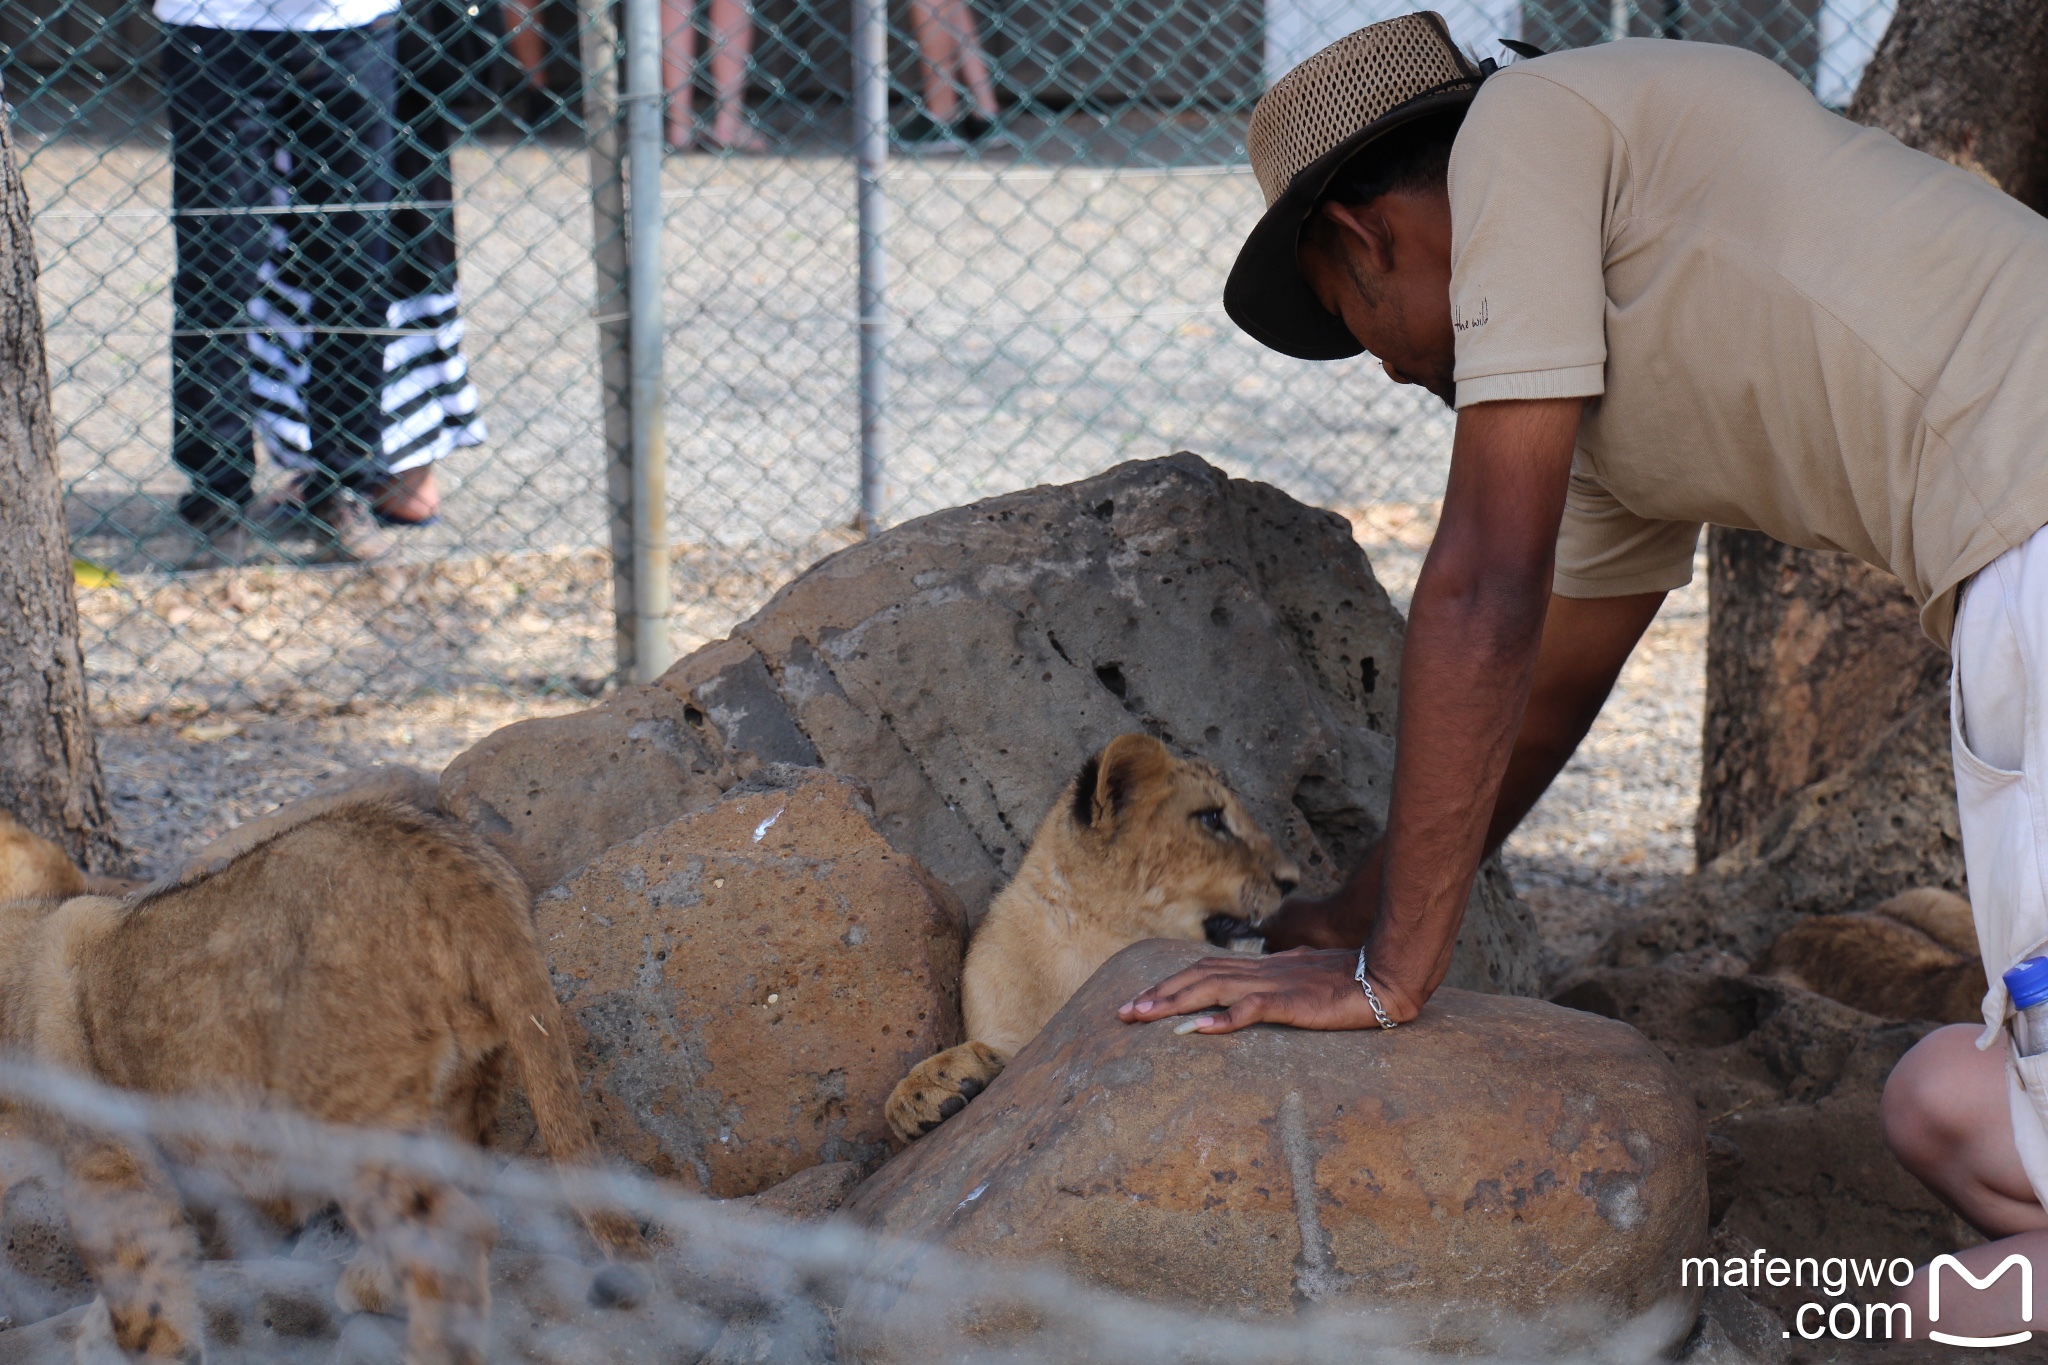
(963, 666)
(47, 1341)
(553, 793)
(794, 1331)
(1498, 1157)
(43, 1273)
(809, 1196)
(1734, 1331)
(1788, 1083)
(747, 984)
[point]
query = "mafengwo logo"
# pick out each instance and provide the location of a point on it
(1945, 1262)
(1948, 1281)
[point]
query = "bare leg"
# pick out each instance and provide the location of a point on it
(411, 497)
(970, 67)
(527, 40)
(1948, 1121)
(938, 53)
(732, 42)
(679, 67)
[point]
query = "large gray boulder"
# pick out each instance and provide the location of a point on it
(964, 665)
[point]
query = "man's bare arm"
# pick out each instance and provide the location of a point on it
(1474, 634)
(1585, 643)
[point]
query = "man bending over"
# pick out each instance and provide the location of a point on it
(1662, 287)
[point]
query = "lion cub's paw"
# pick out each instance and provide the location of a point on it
(939, 1087)
(368, 1284)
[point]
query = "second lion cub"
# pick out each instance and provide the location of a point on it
(1140, 845)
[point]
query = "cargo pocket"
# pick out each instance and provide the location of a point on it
(1995, 811)
(2028, 1094)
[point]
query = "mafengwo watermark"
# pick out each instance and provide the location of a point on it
(1865, 1317)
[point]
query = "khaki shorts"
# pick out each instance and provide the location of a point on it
(1998, 708)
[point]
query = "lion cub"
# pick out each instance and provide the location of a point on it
(368, 965)
(1913, 957)
(1140, 845)
(31, 867)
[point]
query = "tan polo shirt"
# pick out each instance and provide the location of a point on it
(1786, 321)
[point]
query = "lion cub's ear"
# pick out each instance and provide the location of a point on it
(1108, 781)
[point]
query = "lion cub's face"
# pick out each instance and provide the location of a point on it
(1164, 843)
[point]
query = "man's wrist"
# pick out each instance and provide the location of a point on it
(1400, 1004)
(1372, 997)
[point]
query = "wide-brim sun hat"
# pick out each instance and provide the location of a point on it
(1305, 128)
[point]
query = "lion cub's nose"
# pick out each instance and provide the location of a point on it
(1287, 878)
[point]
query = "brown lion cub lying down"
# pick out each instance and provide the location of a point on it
(1140, 845)
(371, 965)
(1913, 957)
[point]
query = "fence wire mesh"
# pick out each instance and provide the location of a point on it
(729, 1280)
(1066, 188)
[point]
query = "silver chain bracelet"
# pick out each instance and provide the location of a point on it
(1370, 997)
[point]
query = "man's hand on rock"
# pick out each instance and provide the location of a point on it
(1305, 988)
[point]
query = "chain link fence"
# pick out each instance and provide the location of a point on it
(1066, 187)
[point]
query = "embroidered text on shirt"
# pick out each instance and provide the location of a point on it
(1459, 322)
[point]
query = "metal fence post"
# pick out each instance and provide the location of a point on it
(870, 157)
(652, 652)
(614, 351)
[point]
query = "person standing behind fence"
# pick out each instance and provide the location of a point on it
(950, 56)
(732, 42)
(281, 116)
(430, 406)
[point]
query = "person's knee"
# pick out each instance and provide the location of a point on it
(1926, 1112)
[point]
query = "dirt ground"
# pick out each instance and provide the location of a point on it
(177, 786)
(1617, 824)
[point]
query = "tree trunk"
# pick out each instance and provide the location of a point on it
(1967, 81)
(1812, 655)
(49, 758)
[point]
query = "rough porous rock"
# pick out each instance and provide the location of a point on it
(1846, 843)
(965, 664)
(1497, 1159)
(47, 1275)
(745, 985)
(1788, 1083)
(809, 1196)
(553, 793)
(1734, 1331)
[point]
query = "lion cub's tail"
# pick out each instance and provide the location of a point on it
(516, 992)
